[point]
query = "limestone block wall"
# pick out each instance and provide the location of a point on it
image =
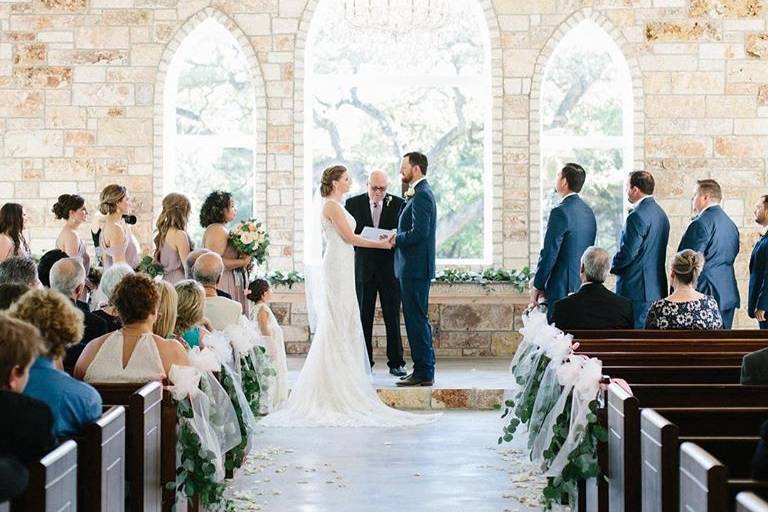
(81, 84)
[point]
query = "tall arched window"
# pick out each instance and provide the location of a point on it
(380, 83)
(586, 117)
(209, 121)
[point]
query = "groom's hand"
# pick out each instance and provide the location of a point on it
(392, 240)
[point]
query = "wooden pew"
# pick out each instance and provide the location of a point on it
(101, 463)
(617, 358)
(750, 502)
(675, 374)
(704, 482)
(719, 420)
(639, 334)
(143, 437)
(670, 345)
(700, 395)
(660, 462)
(52, 482)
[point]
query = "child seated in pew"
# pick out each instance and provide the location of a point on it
(190, 311)
(760, 459)
(73, 403)
(26, 424)
(133, 353)
(260, 293)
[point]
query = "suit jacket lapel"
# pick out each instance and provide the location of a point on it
(365, 202)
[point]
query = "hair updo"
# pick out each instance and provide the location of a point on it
(67, 203)
(687, 265)
(331, 174)
(257, 289)
(110, 196)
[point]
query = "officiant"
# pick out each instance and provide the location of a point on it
(374, 268)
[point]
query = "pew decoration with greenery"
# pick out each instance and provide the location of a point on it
(149, 266)
(519, 279)
(278, 278)
(251, 363)
(555, 395)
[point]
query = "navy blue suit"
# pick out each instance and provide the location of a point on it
(640, 263)
(415, 268)
(570, 230)
(715, 235)
(758, 279)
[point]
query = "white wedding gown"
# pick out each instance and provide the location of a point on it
(334, 388)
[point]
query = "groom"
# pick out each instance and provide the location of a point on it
(415, 266)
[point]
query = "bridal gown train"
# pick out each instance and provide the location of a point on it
(334, 388)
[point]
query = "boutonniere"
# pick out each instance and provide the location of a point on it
(388, 200)
(409, 193)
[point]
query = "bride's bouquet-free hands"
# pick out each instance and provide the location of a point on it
(250, 238)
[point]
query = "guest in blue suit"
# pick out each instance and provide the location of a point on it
(415, 266)
(640, 262)
(715, 235)
(758, 269)
(570, 230)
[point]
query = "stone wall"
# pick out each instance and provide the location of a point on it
(81, 81)
(467, 321)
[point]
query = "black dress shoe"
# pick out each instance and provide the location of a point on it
(412, 381)
(406, 376)
(398, 372)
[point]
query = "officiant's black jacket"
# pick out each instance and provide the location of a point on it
(593, 306)
(369, 262)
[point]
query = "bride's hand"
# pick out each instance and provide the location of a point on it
(385, 244)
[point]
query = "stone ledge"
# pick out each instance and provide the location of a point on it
(428, 398)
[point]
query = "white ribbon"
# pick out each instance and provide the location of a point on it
(205, 360)
(589, 379)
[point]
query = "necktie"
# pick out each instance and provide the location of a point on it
(376, 214)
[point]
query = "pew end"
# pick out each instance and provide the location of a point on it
(101, 459)
(750, 502)
(659, 462)
(703, 480)
(52, 482)
(623, 450)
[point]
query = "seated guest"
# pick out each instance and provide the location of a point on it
(133, 353)
(593, 306)
(760, 459)
(68, 277)
(109, 281)
(10, 293)
(166, 310)
(191, 259)
(46, 262)
(73, 403)
(17, 269)
(26, 424)
(685, 308)
(190, 313)
(220, 311)
(754, 367)
(14, 478)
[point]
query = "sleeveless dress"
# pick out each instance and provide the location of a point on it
(234, 281)
(276, 352)
(169, 259)
(22, 251)
(85, 259)
(144, 364)
(334, 388)
(130, 247)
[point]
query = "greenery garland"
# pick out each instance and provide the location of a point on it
(255, 370)
(522, 404)
(277, 278)
(236, 456)
(195, 476)
(519, 279)
(582, 461)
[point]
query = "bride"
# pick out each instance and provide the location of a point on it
(334, 388)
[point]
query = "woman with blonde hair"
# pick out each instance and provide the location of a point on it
(116, 240)
(172, 243)
(12, 241)
(685, 308)
(190, 313)
(166, 310)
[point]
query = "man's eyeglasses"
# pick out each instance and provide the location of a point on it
(378, 189)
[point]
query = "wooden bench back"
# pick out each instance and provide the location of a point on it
(749, 502)
(615, 358)
(101, 463)
(639, 334)
(675, 374)
(659, 463)
(700, 395)
(672, 345)
(703, 481)
(52, 482)
(143, 440)
(623, 440)
(716, 420)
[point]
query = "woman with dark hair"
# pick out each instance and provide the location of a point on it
(218, 210)
(71, 208)
(133, 353)
(117, 242)
(12, 241)
(172, 243)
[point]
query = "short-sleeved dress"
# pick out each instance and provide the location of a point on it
(699, 314)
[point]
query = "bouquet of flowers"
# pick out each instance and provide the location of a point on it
(149, 266)
(250, 238)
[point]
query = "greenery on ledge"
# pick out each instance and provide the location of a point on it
(278, 278)
(520, 279)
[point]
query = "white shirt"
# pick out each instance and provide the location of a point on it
(566, 196)
(707, 207)
(637, 203)
(222, 312)
(413, 185)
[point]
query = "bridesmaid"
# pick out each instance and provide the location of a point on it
(71, 208)
(117, 242)
(12, 241)
(172, 243)
(219, 209)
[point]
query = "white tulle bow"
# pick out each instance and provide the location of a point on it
(186, 381)
(205, 360)
(569, 371)
(589, 379)
(560, 347)
(219, 344)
